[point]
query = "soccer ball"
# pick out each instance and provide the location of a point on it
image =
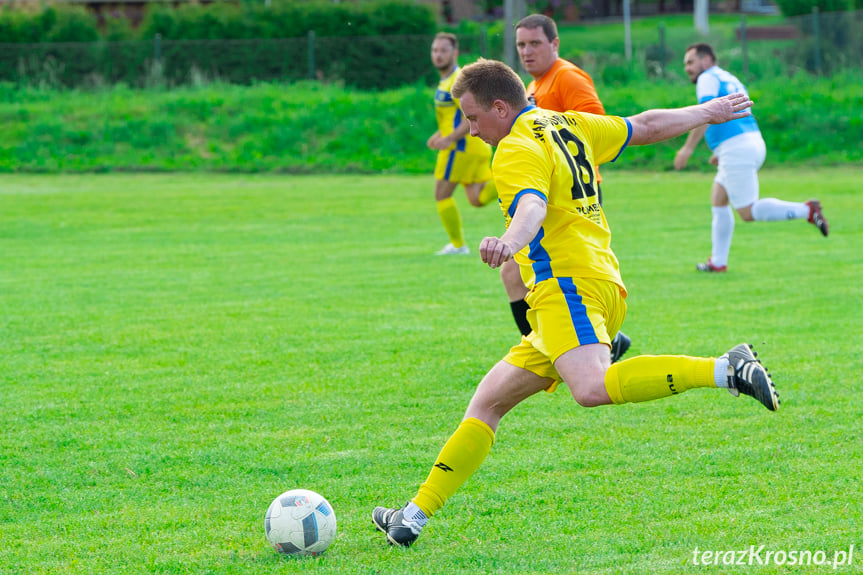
(300, 522)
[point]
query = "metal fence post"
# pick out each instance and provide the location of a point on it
(627, 31)
(662, 49)
(743, 46)
(311, 38)
(816, 30)
(510, 56)
(157, 48)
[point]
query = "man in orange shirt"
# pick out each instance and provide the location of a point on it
(557, 85)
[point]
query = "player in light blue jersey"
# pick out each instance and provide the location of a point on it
(738, 152)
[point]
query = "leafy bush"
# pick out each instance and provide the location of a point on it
(72, 24)
(61, 23)
(377, 43)
(310, 127)
(800, 7)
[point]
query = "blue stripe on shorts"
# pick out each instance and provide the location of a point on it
(577, 312)
(540, 257)
(449, 163)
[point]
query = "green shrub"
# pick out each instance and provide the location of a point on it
(24, 25)
(118, 29)
(71, 24)
(376, 44)
(310, 127)
(371, 45)
(800, 7)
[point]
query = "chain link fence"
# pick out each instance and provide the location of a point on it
(817, 43)
(370, 62)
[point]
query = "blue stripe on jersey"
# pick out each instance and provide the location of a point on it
(728, 84)
(540, 257)
(462, 142)
(628, 137)
(577, 312)
(541, 260)
(448, 172)
(519, 195)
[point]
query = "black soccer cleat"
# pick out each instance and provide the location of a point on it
(817, 218)
(392, 522)
(619, 345)
(746, 375)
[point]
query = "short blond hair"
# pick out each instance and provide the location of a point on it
(490, 80)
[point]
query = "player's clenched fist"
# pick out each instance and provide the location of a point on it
(494, 251)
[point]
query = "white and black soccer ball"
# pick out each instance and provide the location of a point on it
(300, 522)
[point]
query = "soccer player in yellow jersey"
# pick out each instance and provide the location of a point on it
(462, 159)
(556, 231)
(557, 85)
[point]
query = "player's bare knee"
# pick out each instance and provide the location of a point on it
(586, 396)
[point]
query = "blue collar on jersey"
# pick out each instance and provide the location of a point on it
(451, 72)
(527, 109)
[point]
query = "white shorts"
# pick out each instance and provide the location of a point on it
(740, 158)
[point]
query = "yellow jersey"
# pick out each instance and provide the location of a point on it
(553, 155)
(449, 117)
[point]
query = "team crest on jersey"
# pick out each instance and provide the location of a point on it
(443, 98)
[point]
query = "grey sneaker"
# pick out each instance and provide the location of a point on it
(746, 375)
(619, 345)
(392, 522)
(451, 250)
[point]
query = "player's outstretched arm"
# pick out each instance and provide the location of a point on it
(525, 223)
(657, 125)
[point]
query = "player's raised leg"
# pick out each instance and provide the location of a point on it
(650, 377)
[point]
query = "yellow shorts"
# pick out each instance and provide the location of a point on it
(461, 168)
(564, 314)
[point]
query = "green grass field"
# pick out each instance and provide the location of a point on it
(177, 350)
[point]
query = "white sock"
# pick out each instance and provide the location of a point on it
(773, 210)
(415, 514)
(720, 372)
(722, 230)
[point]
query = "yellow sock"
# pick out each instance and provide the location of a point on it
(451, 220)
(488, 193)
(648, 377)
(460, 457)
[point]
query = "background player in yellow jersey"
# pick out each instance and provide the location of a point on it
(557, 232)
(462, 159)
(557, 85)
